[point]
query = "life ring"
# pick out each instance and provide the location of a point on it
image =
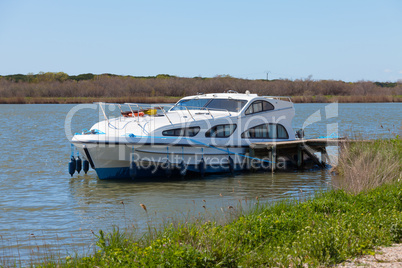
(130, 114)
(139, 114)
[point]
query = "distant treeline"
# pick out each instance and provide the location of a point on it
(19, 87)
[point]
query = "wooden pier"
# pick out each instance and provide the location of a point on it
(297, 154)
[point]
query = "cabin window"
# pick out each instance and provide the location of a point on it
(227, 104)
(221, 131)
(191, 104)
(282, 133)
(259, 106)
(266, 131)
(186, 132)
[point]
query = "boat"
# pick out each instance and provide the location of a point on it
(201, 134)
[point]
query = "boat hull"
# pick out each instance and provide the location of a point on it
(135, 161)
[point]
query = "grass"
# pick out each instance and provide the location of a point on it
(366, 165)
(323, 230)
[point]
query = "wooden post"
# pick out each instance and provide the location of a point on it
(248, 160)
(324, 156)
(299, 156)
(273, 158)
(251, 160)
(314, 158)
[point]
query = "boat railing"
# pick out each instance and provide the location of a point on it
(134, 108)
(181, 108)
(287, 98)
(164, 112)
(103, 110)
(143, 106)
(137, 107)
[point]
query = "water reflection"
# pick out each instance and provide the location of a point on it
(166, 198)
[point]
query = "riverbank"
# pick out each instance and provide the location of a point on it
(62, 88)
(328, 229)
(167, 99)
(324, 230)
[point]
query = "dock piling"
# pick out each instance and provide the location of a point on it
(273, 158)
(298, 153)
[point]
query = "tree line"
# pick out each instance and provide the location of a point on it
(56, 85)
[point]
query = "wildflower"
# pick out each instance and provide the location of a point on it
(144, 207)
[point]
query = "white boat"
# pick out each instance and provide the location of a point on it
(206, 133)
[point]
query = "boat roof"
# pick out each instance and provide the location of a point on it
(236, 96)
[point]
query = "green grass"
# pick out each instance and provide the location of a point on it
(325, 230)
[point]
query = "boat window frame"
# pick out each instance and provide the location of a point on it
(191, 107)
(243, 135)
(182, 132)
(262, 108)
(243, 103)
(277, 131)
(208, 133)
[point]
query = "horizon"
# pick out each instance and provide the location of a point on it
(204, 77)
(290, 40)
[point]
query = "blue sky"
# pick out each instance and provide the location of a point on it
(343, 40)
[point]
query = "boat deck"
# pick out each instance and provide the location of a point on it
(299, 153)
(289, 144)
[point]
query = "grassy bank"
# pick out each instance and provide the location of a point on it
(324, 230)
(167, 99)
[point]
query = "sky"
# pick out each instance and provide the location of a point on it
(349, 40)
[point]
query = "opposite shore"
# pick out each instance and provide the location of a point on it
(86, 88)
(150, 100)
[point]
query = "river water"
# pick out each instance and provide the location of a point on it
(45, 212)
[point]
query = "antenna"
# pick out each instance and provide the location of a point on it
(267, 74)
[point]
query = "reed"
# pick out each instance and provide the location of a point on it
(167, 99)
(60, 88)
(72, 100)
(364, 165)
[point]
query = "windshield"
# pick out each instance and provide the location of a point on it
(212, 104)
(191, 104)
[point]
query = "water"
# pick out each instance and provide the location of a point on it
(43, 210)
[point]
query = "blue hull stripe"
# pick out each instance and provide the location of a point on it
(124, 172)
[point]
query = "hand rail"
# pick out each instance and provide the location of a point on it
(202, 108)
(163, 111)
(190, 113)
(278, 97)
(132, 112)
(103, 111)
